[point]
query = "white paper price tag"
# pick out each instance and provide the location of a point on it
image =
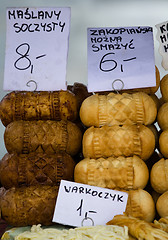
(85, 205)
(162, 37)
(36, 49)
(124, 55)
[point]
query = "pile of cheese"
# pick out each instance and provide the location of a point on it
(84, 233)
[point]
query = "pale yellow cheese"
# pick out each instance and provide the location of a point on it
(85, 233)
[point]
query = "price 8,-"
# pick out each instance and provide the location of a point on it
(36, 49)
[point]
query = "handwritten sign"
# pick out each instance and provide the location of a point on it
(124, 55)
(36, 48)
(162, 37)
(85, 205)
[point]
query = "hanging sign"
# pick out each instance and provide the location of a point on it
(84, 205)
(36, 48)
(120, 58)
(162, 37)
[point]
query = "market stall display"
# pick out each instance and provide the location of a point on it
(111, 138)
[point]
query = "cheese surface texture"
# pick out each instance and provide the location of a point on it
(84, 233)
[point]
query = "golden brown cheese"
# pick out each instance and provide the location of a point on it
(115, 173)
(115, 141)
(118, 109)
(35, 169)
(28, 205)
(42, 105)
(48, 136)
